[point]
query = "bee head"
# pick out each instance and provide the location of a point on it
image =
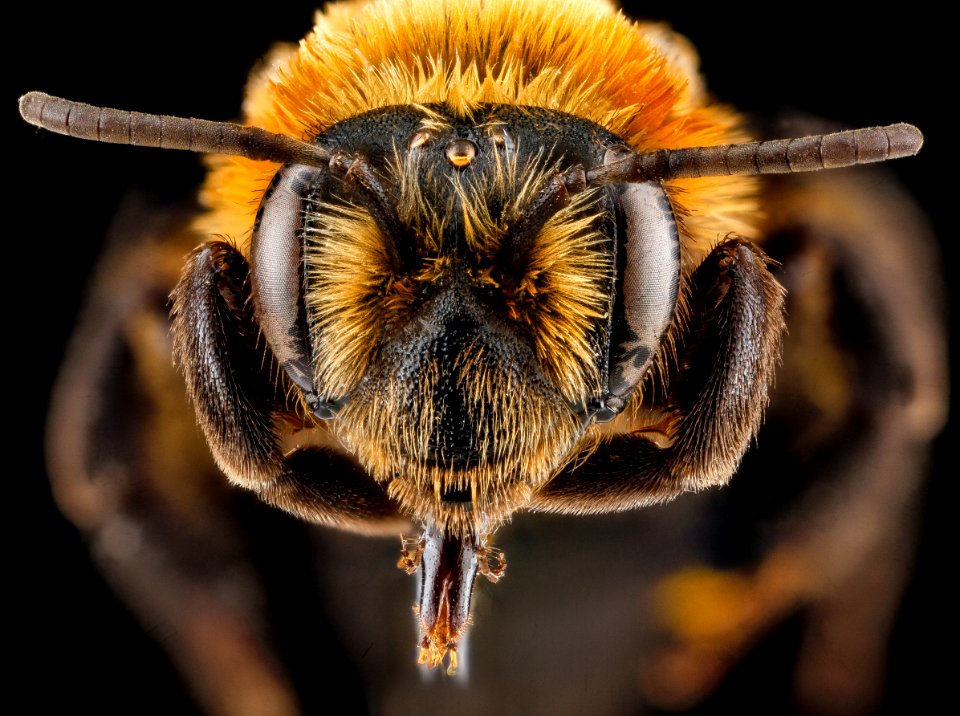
(457, 293)
(456, 297)
(481, 228)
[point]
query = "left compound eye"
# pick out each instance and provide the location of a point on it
(277, 278)
(649, 287)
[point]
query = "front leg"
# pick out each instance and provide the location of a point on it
(718, 391)
(241, 399)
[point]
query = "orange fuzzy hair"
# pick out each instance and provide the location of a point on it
(582, 57)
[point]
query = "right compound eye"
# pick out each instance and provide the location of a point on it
(650, 285)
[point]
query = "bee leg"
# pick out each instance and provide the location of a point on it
(725, 365)
(411, 553)
(824, 550)
(493, 563)
(862, 392)
(241, 402)
(130, 469)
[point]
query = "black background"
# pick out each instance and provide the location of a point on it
(74, 643)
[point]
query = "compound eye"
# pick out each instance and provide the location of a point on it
(277, 277)
(650, 284)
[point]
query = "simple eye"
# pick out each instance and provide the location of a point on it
(418, 139)
(501, 139)
(461, 153)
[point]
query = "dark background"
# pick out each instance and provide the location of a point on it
(72, 637)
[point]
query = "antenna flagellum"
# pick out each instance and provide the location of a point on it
(116, 126)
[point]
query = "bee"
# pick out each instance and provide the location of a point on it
(496, 386)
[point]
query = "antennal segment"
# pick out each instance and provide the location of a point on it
(116, 126)
(778, 156)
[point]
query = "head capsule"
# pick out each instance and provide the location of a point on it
(458, 302)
